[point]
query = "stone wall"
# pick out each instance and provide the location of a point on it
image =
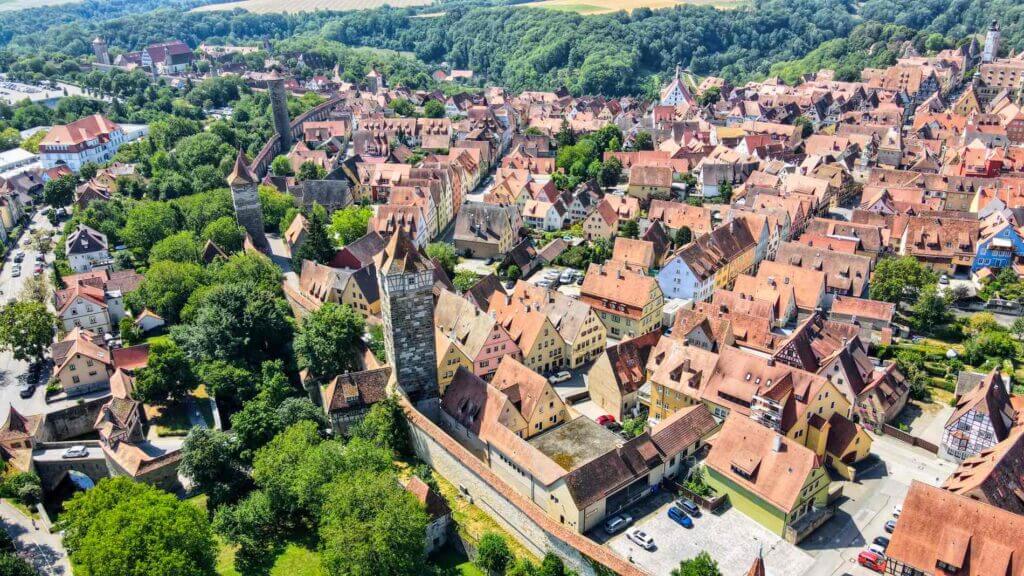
(73, 421)
(522, 519)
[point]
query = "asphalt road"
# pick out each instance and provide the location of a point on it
(14, 371)
(43, 550)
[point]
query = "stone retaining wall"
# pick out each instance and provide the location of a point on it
(526, 522)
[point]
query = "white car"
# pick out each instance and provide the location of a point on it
(76, 452)
(544, 283)
(877, 550)
(568, 276)
(897, 511)
(640, 538)
(16, 271)
(552, 274)
(560, 377)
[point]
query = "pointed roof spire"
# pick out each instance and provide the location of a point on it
(241, 174)
(757, 569)
(678, 71)
(401, 255)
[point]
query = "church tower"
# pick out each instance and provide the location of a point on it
(246, 199)
(991, 50)
(99, 48)
(406, 277)
(279, 107)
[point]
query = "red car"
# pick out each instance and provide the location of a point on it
(871, 560)
(605, 420)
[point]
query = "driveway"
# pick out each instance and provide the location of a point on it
(926, 420)
(867, 504)
(731, 538)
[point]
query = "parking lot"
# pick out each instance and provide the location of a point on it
(731, 538)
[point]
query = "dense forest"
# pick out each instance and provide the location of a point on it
(524, 48)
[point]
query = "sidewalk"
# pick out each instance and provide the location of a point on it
(43, 550)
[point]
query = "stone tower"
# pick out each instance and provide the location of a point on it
(99, 48)
(246, 199)
(374, 81)
(279, 107)
(991, 43)
(406, 278)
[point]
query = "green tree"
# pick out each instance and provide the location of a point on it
(513, 272)
(12, 564)
(521, 567)
(682, 236)
(465, 279)
(166, 287)
(274, 205)
(444, 254)
(552, 565)
(328, 340)
(310, 170)
(26, 329)
(317, 246)
(371, 525)
(295, 410)
(1018, 328)
(59, 192)
(227, 381)
(168, 375)
(385, 427)
(403, 107)
(209, 460)
(565, 136)
(701, 565)
(805, 125)
(250, 267)
(643, 141)
(630, 229)
(899, 280)
(147, 223)
(182, 247)
(989, 346)
(253, 527)
(281, 166)
(433, 109)
(9, 138)
(350, 224)
(127, 528)
(931, 309)
(32, 142)
(981, 322)
(239, 323)
(493, 554)
(610, 172)
(293, 468)
(710, 96)
(226, 233)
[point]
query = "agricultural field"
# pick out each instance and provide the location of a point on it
(8, 5)
(270, 6)
(606, 6)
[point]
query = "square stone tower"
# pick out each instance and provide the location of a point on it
(246, 199)
(406, 277)
(99, 48)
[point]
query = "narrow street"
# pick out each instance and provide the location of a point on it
(43, 550)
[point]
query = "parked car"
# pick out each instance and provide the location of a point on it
(641, 538)
(567, 276)
(544, 283)
(552, 274)
(16, 271)
(579, 280)
(943, 279)
(605, 419)
(881, 541)
(890, 526)
(40, 258)
(876, 549)
(559, 377)
(617, 524)
(19, 256)
(76, 452)
(871, 560)
(680, 517)
(614, 427)
(897, 511)
(688, 505)
(27, 390)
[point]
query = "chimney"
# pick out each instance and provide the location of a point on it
(777, 443)
(770, 362)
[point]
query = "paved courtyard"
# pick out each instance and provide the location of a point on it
(731, 538)
(926, 420)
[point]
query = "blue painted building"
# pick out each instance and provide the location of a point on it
(998, 247)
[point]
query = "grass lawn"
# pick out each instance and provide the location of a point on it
(294, 560)
(450, 558)
(174, 421)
